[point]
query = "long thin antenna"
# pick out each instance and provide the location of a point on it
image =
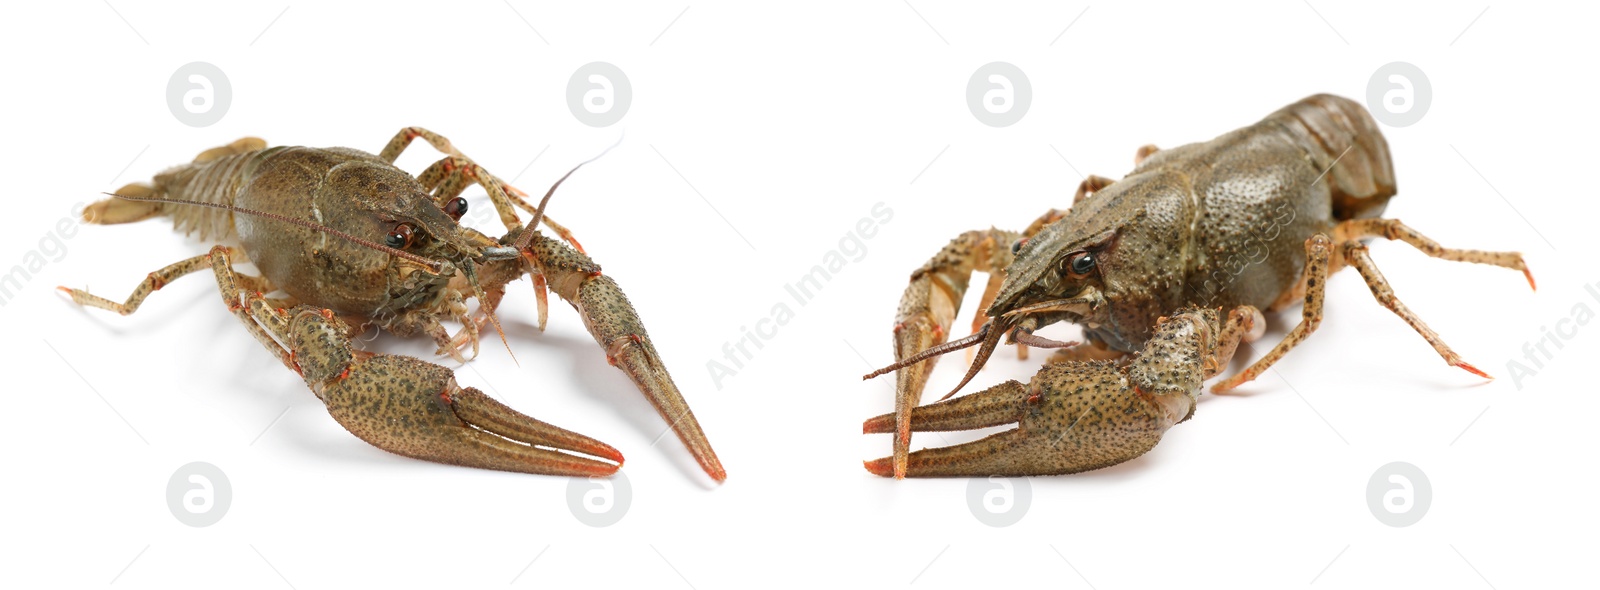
(432, 265)
(989, 344)
(538, 214)
(934, 351)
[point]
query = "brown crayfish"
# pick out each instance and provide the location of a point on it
(1254, 219)
(352, 242)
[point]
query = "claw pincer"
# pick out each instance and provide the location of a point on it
(616, 327)
(1077, 416)
(415, 408)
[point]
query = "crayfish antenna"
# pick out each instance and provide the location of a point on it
(538, 214)
(432, 265)
(931, 352)
(984, 352)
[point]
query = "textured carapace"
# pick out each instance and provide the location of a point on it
(1257, 218)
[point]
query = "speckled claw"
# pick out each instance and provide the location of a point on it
(616, 327)
(455, 425)
(1069, 418)
(1076, 416)
(415, 408)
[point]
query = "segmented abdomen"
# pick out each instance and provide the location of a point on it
(214, 181)
(1325, 125)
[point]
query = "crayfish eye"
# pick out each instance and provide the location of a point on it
(399, 237)
(1079, 264)
(456, 208)
(1017, 246)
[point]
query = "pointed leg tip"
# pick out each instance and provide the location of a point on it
(1474, 370)
(1526, 272)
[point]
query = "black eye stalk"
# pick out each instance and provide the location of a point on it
(1077, 264)
(1083, 264)
(400, 237)
(456, 208)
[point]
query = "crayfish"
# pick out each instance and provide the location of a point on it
(352, 242)
(1254, 219)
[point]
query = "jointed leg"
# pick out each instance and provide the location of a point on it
(439, 176)
(151, 283)
(449, 177)
(1393, 229)
(1318, 255)
(1244, 324)
(248, 305)
(401, 140)
(154, 282)
(1145, 151)
(456, 163)
(1356, 255)
(516, 196)
(1349, 250)
(454, 171)
(1091, 185)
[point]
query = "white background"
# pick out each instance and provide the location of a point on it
(791, 122)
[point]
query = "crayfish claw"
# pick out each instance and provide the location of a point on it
(617, 328)
(1075, 416)
(415, 408)
(1071, 417)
